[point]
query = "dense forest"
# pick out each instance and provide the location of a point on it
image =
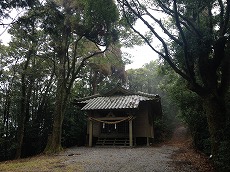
(67, 49)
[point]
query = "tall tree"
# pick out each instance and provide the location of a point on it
(195, 44)
(71, 32)
(72, 26)
(25, 48)
(7, 92)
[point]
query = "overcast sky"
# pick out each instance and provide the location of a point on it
(140, 56)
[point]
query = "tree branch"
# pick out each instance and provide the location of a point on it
(73, 66)
(166, 56)
(12, 22)
(187, 21)
(163, 28)
(185, 44)
(74, 75)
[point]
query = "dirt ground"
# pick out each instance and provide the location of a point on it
(175, 155)
(186, 155)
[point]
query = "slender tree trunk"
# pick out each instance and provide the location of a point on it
(21, 120)
(22, 114)
(6, 122)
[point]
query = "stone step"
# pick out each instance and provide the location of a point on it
(112, 142)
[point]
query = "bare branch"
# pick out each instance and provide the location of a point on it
(167, 55)
(85, 59)
(165, 30)
(162, 26)
(188, 22)
(185, 44)
(136, 6)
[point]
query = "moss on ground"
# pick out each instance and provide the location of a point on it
(40, 164)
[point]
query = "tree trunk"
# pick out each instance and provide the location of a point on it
(216, 113)
(21, 117)
(6, 114)
(21, 127)
(54, 140)
(94, 82)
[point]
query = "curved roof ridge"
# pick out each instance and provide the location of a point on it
(140, 93)
(118, 90)
(87, 98)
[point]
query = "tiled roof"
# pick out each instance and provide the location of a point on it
(114, 102)
(118, 98)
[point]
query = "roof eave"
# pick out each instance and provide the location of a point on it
(110, 109)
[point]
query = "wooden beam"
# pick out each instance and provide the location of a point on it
(110, 118)
(147, 141)
(90, 133)
(131, 133)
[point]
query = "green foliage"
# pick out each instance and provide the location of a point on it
(6, 5)
(74, 127)
(196, 48)
(145, 79)
(223, 161)
(100, 11)
(150, 79)
(189, 106)
(164, 127)
(192, 113)
(53, 41)
(7, 143)
(105, 70)
(99, 19)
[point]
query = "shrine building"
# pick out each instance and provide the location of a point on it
(120, 117)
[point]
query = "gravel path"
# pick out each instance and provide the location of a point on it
(177, 155)
(138, 159)
(174, 156)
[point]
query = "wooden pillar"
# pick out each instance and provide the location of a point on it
(131, 132)
(147, 141)
(90, 133)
